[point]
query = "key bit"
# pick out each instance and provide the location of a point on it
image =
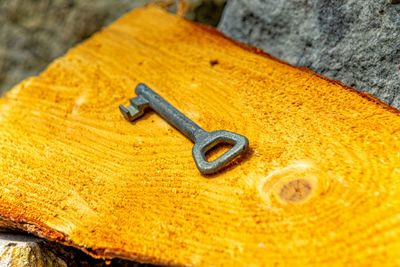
(135, 109)
(203, 140)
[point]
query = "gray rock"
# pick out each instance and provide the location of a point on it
(356, 42)
(23, 250)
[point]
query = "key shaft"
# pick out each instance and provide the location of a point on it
(169, 112)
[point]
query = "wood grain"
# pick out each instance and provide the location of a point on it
(320, 184)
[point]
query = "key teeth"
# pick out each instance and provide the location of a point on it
(131, 112)
(135, 109)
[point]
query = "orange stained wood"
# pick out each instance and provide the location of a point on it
(319, 185)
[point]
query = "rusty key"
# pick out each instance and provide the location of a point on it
(203, 140)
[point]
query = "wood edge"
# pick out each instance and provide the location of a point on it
(260, 52)
(41, 230)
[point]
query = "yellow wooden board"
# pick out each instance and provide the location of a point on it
(319, 185)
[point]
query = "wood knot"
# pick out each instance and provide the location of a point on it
(295, 190)
(295, 183)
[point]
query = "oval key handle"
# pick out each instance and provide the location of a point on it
(207, 140)
(203, 140)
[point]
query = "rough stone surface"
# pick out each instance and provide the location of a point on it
(23, 250)
(35, 32)
(356, 42)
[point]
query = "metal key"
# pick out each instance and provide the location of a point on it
(203, 140)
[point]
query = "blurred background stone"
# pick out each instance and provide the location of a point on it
(356, 42)
(35, 32)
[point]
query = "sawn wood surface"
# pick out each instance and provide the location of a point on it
(320, 183)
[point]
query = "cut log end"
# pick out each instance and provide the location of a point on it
(319, 184)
